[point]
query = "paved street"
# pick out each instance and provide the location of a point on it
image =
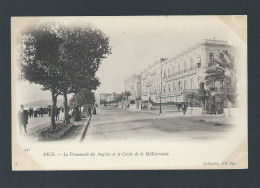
(115, 123)
(128, 124)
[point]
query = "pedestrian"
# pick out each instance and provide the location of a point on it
(23, 119)
(38, 112)
(57, 113)
(184, 108)
(89, 111)
(213, 108)
(35, 113)
(41, 111)
(94, 110)
(49, 111)
(30, 112)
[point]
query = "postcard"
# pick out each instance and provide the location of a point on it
(129, 92)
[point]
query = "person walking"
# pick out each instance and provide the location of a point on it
(41, 111)
(49, 111)
(23, 119)
(213, 108)
(94, 110)
(184, 108)
(57, 113)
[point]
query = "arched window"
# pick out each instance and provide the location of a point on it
(198, 65)
(199, 80)
(179, 86)
(211, 59)
(191, 64)
(185, 66)
(191, 83)
(179, 68)
(185, 84)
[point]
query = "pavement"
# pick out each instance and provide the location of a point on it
(126, 124)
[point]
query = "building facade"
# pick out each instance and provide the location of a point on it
(103, 98)
(133, 84)
(169, 80)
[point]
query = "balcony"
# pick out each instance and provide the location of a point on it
(190, 90)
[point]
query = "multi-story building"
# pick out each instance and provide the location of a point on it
(133, 84)
(151, 82)
(182, 73)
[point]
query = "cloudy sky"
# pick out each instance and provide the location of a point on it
(136, 42)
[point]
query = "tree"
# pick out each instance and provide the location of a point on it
(127, 94)
(83, 49)
(63, 59)
(84, 97)
(120, 97)
(39, 60)
(224, 72)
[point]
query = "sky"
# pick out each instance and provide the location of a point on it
(136, 42)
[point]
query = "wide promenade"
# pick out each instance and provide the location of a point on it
(127, 124)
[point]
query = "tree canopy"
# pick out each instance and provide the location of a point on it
(224, 72)
(63, 58)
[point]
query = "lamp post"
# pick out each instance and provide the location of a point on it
(161, 94)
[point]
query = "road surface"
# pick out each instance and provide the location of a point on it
(124, 124)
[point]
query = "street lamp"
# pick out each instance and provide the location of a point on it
(161, 93)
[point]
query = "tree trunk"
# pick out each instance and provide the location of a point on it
(66, 112)
(54, 102)
(76, 97)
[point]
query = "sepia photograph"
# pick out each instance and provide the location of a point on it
(129, 92)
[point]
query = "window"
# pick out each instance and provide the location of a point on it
(185, 66)
(179, 86)
(185, 84)
(199, 80)
(179, 69)
(169, 72)
(173, 70)
(173, 86)
(211, 59)
(191, 83)
(198, 62)
(169, 87)
(191, 64)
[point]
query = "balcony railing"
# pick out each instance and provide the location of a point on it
(190, 90)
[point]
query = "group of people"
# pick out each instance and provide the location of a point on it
(144, 107)
(24, 115)
(182, 106)
(39, 112)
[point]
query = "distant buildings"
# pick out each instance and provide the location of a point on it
(104, 98)
(133, 84)
(173, 78)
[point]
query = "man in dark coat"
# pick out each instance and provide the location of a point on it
(213, 108)
(23, 119)
(184, 108)
(94, 110)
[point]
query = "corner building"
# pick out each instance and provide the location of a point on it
(133, 84)
(173, 78)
